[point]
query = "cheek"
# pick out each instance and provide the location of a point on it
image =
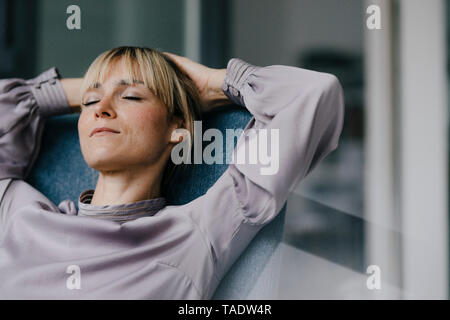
(82, 129)
(149, 128)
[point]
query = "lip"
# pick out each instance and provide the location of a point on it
(103, 129)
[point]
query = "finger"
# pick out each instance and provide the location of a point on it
(172, 57)
(169, 54)
(180, 59)
(175, 58)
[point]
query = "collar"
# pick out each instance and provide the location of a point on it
(118, 212)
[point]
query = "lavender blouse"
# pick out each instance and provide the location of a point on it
(147, 249)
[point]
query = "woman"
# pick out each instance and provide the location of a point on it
(123, 241)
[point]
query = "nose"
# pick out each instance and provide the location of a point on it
(104, 109)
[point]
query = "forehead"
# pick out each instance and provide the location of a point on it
(113, 73)
(117, 83)
(118, 72)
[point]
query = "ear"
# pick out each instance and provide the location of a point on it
(178, 135)
(177, 130)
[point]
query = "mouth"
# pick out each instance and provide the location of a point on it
(103, 131)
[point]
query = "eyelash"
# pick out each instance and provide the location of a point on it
(89, 103)
(132, 98)
(127, 97)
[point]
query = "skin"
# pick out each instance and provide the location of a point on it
(131, 163)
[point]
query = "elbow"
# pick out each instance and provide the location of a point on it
(325, 90)
(329, 84)
(331, 97)
(336, 109)
(330, 108)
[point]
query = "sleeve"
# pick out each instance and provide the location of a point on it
(24, 106)
(297, 120)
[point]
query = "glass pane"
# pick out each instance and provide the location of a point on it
(324, 232)
(105, 24)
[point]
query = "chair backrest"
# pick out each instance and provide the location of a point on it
(60, 173)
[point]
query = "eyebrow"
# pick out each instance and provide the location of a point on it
(122, 82)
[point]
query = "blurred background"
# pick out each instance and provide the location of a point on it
(380, 199)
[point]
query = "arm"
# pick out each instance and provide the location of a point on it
(24, 106)
(304, 106)
(71, 87)
(307, 109)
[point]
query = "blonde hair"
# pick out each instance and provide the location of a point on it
(164, 79)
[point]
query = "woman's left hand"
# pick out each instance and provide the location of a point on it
(207, 80)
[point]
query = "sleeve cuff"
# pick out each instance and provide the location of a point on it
(49, 93)
(235, 78)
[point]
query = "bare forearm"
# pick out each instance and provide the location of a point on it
(216, 95)
(72, 88)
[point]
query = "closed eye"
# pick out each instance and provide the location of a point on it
(127, 97)
(132, 98)
(90, 102)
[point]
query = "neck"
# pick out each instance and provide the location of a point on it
(127, 186)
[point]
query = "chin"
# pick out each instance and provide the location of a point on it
(102, 161)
